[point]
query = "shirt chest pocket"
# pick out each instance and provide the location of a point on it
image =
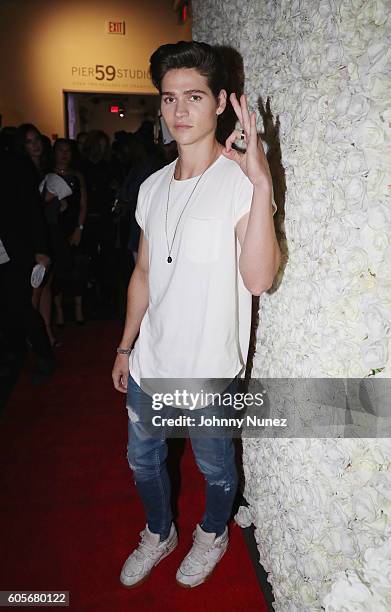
(202, 238)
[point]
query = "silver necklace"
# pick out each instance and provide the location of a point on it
(169, 248)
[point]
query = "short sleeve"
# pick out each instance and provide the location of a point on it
(244, 198)
(140, 213)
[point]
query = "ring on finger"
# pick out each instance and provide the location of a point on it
(242, 134)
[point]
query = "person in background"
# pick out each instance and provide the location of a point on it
(81, 141)
(127, 231)
(77, 158)
(7, 138)
(145, 133)
(145, 160)
(121, 156)
(22, 244)
(123, 213)
(99, 229)
(30, 142)
(66, 218)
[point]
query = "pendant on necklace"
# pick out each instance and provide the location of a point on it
(169, 259)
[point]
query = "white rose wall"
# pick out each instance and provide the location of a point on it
(322, 506)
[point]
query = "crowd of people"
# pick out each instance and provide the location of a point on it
(67, 214)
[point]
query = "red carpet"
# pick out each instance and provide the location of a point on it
(70, 514)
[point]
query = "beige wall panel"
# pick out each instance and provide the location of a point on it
(49, 47)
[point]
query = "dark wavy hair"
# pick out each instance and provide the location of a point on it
(91, 148)
(71, 146)
(20, 142)
(206, 59)
(21, 135)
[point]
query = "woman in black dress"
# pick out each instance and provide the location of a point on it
(32, 145)
(66, 229)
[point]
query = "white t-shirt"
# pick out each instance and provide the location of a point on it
(197, 324)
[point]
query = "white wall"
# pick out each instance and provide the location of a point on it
(321, 507)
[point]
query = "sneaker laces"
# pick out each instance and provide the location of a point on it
(144, 550)
(199, 551)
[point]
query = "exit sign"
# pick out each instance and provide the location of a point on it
(116, 27)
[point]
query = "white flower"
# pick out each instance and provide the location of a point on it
(375, 354)
(358, 107)
(349, 594)
(307, 593)
(384, 267)
(375, 242)
(379, 216)
(353, 71)
(355, 192)
(332, 57)
(322, 506)
(315, 567)
(338, 514)
(378, 322)
(356, 261)
(379, 86)
(339, 541)
(370, 134)
(325, 9)
(334, 283)
(379, 55)
(383, 484)
(364, 503)
(335, 136)
(243, 517)
(356, 219)
(355, 162)
(377, 569)
(377, 184)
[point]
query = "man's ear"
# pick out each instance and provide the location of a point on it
(222, 102)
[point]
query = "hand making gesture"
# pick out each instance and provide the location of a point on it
(253, 161)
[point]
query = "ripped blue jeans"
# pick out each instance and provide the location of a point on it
(215, 457)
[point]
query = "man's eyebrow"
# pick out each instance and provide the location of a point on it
(188, 91)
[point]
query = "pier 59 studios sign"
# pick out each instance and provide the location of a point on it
(106, 76)
(109, 77)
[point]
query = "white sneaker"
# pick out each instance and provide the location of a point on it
(203, 557)
(149, 553)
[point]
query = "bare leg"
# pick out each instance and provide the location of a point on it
(59, 310)
(45, 308)
(36, 297)
(79, 309)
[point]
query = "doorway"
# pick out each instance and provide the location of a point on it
(86, 111)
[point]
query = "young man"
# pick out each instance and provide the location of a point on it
(189, 297)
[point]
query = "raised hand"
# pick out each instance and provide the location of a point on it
(253, 161)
